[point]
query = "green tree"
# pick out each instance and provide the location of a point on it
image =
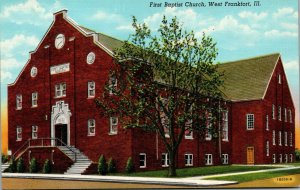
(33, 167)
(102, 165)
(166, 83)
(20, 166)
(47, 168)
(111, 166)
(129, 166)
(297, 155)
(4, 158)
(12, 166)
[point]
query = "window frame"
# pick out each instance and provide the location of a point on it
(279, 113)
(267, 122)
(274, 158)
(273, 112)
(208, 159)
(248, 121)
(225, 129)
(279, 138)
(19, 101)
(225, 159)
(274, 137)
(285, 115)
(113, 127)
(290, 115)
(279, 79)
(188, 159)
(208, 135)
(144, 161)
(19, 132)
(34, 99)
(90, 127)
(291, 139)
(34, 131)
(91, 90)
(62, 89)
(285, 139)
(188, 134)
(267, 148)
(165, 160)
(286, 158)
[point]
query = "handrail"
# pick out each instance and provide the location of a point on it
(29, 144)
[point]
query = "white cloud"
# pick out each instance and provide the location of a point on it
(291, 65)
(8, 46)
(25, 12)
(284, 12)
(290, 26)
(6, 76)
(127, 27)
(10, 63)
(102, 15)
(276, 33)
(252, 15)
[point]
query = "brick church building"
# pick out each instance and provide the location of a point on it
(52, 113)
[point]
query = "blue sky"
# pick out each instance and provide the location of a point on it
(240, 32)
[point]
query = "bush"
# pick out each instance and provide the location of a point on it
(33, 166)
(47, 168)
(297, 153)
(129, 165)
(13, 166)
(4, 158)
(102, 166)
(111, 168)
(20, 166)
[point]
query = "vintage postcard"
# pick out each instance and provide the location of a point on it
(149, 94)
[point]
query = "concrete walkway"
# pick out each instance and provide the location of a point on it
(123, 179)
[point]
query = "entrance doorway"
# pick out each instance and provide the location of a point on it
(62, 134)
(250, 155)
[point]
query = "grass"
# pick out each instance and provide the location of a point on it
(257, 176)
(200, 171)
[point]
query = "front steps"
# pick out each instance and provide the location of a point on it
(4, 166)
(82, 161)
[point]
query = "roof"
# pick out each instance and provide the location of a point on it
(248, 79)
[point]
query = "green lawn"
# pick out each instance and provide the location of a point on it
(257, 176)
(200, 171)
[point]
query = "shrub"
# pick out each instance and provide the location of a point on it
(33, 166)
(111, 168)
(20, 166)
(129, 165)
(4, 158)
(102, 166)
(13, 166)
(297, 153)
(47, 168)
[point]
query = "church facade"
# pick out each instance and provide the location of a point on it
(52, 113)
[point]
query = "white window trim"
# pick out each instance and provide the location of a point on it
(166, 159)
(279, 138)
(225, 126)
(145, 161)
(274, 137)
(267, 148)
(273, 112)
(285, 139)
(19, 131)
(208, 159)
(34, 99)
(274, 158)
(62, 88)
(190, 160)
(91, 126)
(267, 122)
(91, 89)
(279, 79)
(19, 101)
(286, 158)
(225, 159)
(34, 130)
(248, 117)
(279, 113)
(111, 125)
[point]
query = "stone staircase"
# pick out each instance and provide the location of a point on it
(4, 166)
(82, 161)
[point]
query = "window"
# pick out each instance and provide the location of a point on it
(165, 160)
(291, 157)
(91, 127)
(285, 139)
(225, 126)
(279, 138)
(267, 148)
(224, 158)
(285, 115)
(250, 121)
(279, 113)
(142, 160)
(188, 159)
(208, 159)
(274, 137)
(280, 158)
(164, 118)
(19, 101)
(274, 158)
(34, 98)
(188, 132)
(208, 135)
(291, 139)
(34, 132)
(279, 79)
(290, 115)
(19, 133)
(113, 83)
(273, 111)
(91, 89)
(286, 158)
(267, 122)
(60, 90)
(113, 125)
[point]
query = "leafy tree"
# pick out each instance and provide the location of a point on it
(102, 166)
(13, 166)
(47, 168)
(4, 158)
(33, 168)
(297, 155)
(20, 166)
(165, 83)
(111, 166)
(129, 166)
